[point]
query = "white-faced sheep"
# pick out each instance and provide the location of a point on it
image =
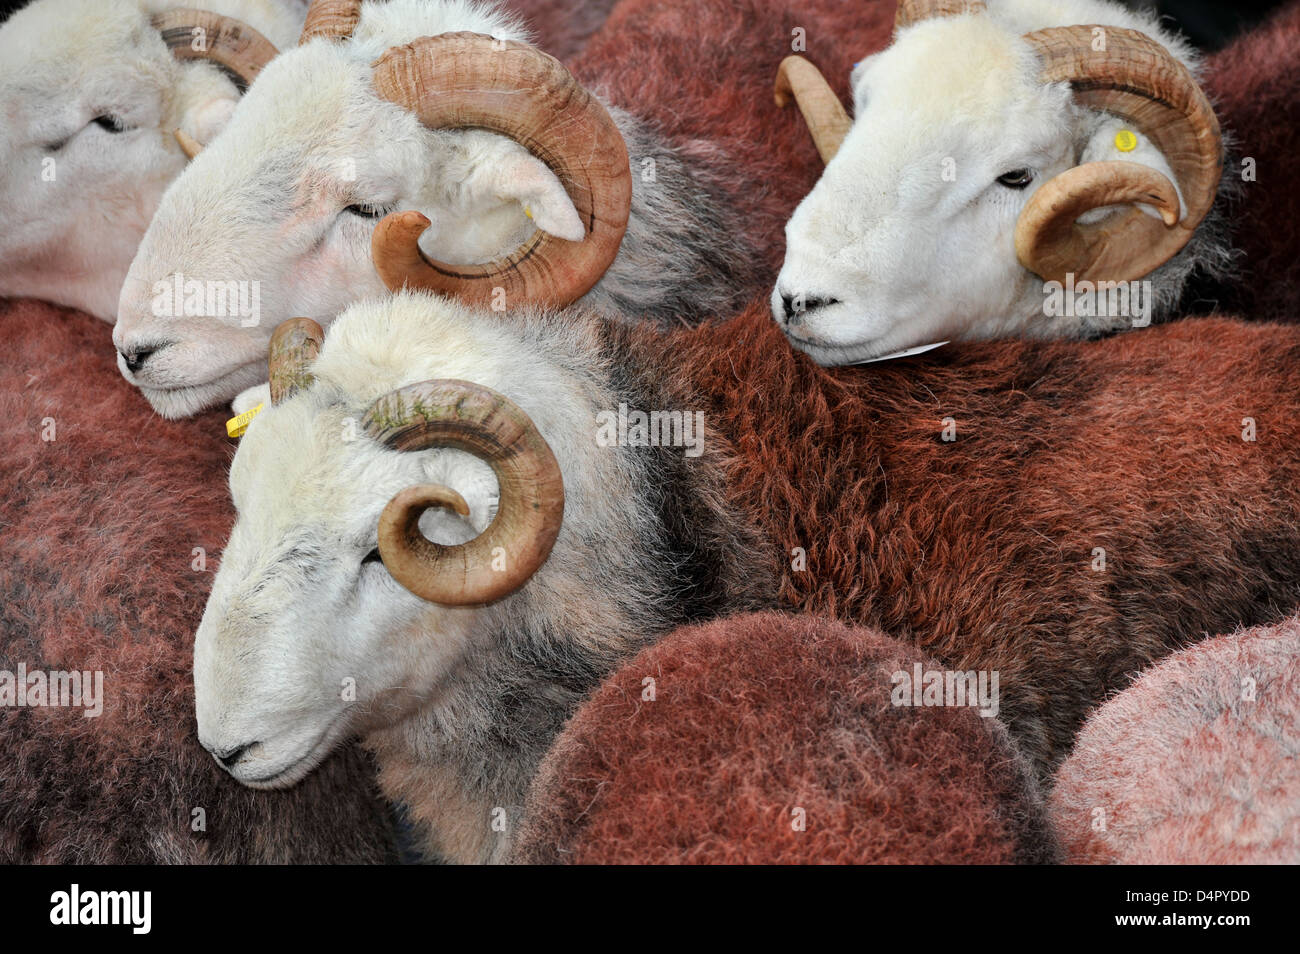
(98, 95)
(414, 113)
(1062, 514)
(1046, 169)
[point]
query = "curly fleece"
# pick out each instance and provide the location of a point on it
(98, 534)
(756, 718)
(1256, 86)
(1198, 762)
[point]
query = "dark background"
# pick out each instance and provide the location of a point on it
(1209, 24)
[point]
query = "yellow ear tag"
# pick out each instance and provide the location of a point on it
(528, 212)
(236, 426)
(1125, 140)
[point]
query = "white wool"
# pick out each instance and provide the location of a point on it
(75, 197)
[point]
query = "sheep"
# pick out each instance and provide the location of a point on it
(1045, 169)
(1062, 514)
(108, 548)
(1196, 763)
(286, 204)
(100, 95)
(772, 739)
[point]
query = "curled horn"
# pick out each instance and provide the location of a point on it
(472, 418)
(1137, 79)
(235, 48)
(914, 11)
(335, 19)
(466, 80)
(828, 122)
(294, 346)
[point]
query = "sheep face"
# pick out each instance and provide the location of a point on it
(284, 204)
(909, 236)
(306, 638)
(90, 97)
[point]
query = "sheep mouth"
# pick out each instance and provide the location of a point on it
(298, 769)
(184, 400)
(830, 355)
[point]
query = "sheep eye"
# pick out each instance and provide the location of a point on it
(1016, 178)
(372, 557)
(110, 123)
(367, 211)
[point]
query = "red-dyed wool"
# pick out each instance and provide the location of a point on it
(562, 27)
(1198, 762)
(100, 525)
(759, 716)
(1256, 85)
(983, 549)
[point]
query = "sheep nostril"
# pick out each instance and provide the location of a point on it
(229, 758)
(135, 359)
(796, 306)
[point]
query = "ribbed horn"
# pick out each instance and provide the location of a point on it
(799, 81)
(1135, 78)
(235, 48)
(914, 11)
(466, 80)
(335, 19)
(294, 346)
(472, 418)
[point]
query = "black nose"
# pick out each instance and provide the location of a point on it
(796, 306)
(230, 757)
(135, 359)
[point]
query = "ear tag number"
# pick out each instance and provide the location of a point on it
(236, 426)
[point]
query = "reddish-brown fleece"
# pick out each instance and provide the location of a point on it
(1256, 85)
(1196, 763)
(756, 717)
(98, 529)
(561, 27)
(984, 550)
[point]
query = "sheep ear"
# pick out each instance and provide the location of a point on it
(203, 121)
(525, 179)
(1117, 140)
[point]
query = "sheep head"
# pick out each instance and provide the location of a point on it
(380, 522)
(94, 94)
(982, 163)
(515, 176)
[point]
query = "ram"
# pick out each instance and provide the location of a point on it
(459, 515)
(98, 97)
(1045, 169)
(389, 118)
(105, 562)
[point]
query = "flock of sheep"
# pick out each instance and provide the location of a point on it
(423, 259)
